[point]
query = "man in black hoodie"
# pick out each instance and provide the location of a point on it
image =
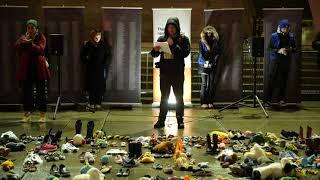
(172, 70)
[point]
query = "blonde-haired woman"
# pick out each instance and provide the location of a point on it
(95, 56)
(209, 52)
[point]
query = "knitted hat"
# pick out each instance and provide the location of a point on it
(284, 23)
(33, 23)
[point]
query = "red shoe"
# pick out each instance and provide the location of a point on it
(46, 147)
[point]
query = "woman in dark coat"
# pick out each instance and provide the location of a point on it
(32, 70)
(94, 54)
(209, 52)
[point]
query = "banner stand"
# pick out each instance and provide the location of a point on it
(122, 32)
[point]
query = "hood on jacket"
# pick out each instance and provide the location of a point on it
(213, 31)
(283, 23)
(173, 21)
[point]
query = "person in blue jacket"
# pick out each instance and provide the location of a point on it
(209, 52)
(281, 47)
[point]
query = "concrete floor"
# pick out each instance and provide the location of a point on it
(139, 122)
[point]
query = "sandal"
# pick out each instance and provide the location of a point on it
(157, 166)
(54, 170)
(120, 172)
(29, 167)
(126, 172)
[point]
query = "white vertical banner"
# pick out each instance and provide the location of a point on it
(160, 17)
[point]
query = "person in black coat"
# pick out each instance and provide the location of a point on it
(95, 56)
(316, 46)
(172, 69)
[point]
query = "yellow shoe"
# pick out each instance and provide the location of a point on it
(42, 117)
(26, 117)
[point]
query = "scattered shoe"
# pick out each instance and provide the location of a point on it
(64, 172)
(129, 162)
(105, 169)
(54, 170)
(14, 147)
(4, 151)
(126, 172)
(68, 148)
(46, 147)
(157, 166)
(168, 169)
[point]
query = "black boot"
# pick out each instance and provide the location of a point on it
(78, 126)
(180, 123)
(90, 127)
(215, 143)
(159, 123)
(137, 149)
(131, 149)
(209, 145)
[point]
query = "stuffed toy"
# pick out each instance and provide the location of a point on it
(147, 158)
(98, 135)
(255, 152)
(78, 140)
(227, 157)
(92, 174)
(182, 162)
(164, 147)
(275, 170)
(84, 169)
(105, 159)
(222, 137)
(7, 165)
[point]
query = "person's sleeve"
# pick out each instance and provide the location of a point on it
(156, 53)
(83, 57)
(39, 49)
(316, 42)
(271, 46)
(183, 49)
(18, 43)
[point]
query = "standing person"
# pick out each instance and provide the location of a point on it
(316, 46)
(94, 55)
(281, 47)
(172, 70)
(33, 70)
(209, 52)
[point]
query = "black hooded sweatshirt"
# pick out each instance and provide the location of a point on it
(180, 49)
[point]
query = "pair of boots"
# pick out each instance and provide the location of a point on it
(135, 149)
(90, 128)
(309, 134)
(160, 123)
(212, 146)
(52, 137)
(27, 117)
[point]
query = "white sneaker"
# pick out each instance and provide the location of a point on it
(210, 106)
(204, 106)
(10, 134)
(68, 147)
(26, 117)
